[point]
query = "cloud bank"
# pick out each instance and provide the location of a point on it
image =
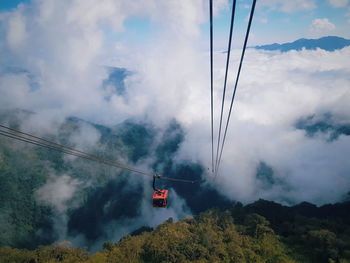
(54, 64)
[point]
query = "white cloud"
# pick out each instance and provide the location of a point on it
(275, 91)
(58, 191)
(338, 3)
(66, 43)
(16, 33)
(321, 25)
(288, 6)
(85, 137)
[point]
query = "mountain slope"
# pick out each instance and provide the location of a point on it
(329, 43)
(303, 233)
(43, 191)
(210, 237)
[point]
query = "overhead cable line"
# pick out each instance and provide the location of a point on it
(236, 82)
(29, 138)
(211, 84)
(26, 137)
(43, 142)
(225, 81)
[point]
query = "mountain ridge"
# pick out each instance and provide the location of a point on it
(328, 43)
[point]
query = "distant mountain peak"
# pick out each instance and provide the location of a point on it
(329, 43)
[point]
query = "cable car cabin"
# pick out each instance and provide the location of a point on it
(160, 198)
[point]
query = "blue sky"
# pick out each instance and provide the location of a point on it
(275, 21)
(271, 23)
(10, 4)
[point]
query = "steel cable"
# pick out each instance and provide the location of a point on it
(35, 140)
(225, 81)
(236, 82)
(211, 84)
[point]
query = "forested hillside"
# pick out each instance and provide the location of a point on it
(63, 209)
(47, 196)
(240, 234)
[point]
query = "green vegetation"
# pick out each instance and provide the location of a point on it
(234, 235)
(26, 222)
(28, 216)
(210, 237)
(312, 234)
(20, 215)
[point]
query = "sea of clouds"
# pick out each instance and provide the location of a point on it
(55, 58)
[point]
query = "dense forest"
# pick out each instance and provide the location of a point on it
(260, 232)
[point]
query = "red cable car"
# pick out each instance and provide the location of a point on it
(160, 196)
